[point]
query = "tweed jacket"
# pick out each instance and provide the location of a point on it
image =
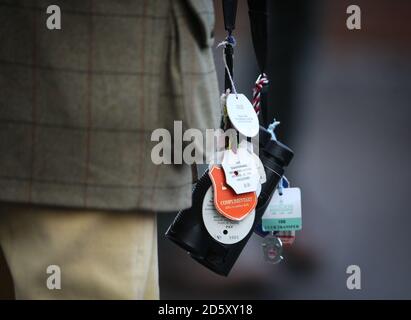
(78, 105)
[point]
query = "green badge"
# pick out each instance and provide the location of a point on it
(284, 211)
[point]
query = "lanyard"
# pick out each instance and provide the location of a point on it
(229, 12)
(258, 15)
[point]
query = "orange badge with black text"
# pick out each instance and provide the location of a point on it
(230, 204)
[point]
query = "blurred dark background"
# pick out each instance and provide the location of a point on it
(343, 99)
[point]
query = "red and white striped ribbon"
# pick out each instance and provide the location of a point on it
(261, 81)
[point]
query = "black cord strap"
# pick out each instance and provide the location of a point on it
(257, 10)
(258, 14)
(230, 13)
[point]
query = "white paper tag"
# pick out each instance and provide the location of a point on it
(284, 212)
(240, 171)
(259, 188)
(242, 115)
(219, 227)
(260, 167)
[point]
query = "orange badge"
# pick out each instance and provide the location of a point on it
(231, 205)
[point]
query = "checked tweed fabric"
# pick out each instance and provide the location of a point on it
(78, 105)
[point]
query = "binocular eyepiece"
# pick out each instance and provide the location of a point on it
(189, 231)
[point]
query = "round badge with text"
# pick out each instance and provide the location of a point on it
(219, 227)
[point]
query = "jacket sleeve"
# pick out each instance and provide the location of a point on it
(203, 10)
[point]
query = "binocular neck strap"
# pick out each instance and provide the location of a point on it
(258, 14)
(229, 12)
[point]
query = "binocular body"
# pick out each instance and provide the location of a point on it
(189, 231)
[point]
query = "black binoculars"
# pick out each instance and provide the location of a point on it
(189, 231)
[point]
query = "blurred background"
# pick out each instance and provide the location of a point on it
(343, 99)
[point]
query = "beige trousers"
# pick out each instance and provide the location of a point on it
(92, 254)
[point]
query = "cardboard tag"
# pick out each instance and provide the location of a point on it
(259, 165)
(284, 212)
(242, 115)
(219, 227)
(240, 171)
(231, 205)
(260, 169)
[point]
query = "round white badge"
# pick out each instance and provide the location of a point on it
(219, 227)
(242, 115)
